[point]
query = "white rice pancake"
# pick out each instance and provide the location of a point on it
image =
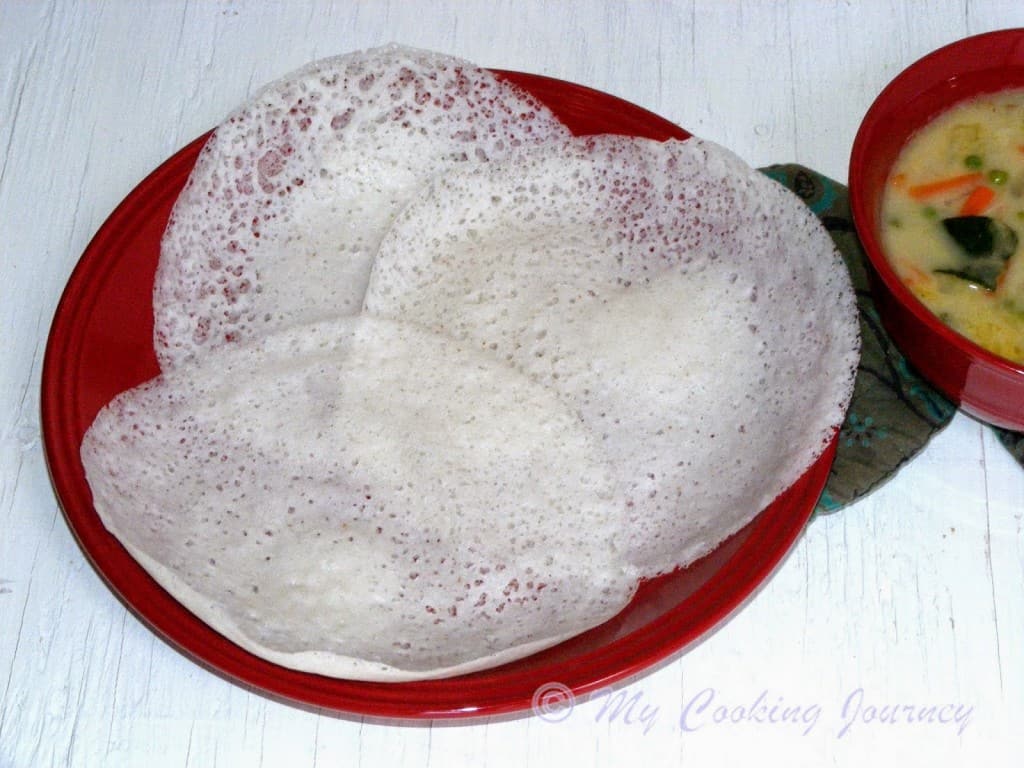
(281, 218)
(364, 499)
(694, 313)
(580, 363)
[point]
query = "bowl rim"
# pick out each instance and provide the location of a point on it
(863, 217)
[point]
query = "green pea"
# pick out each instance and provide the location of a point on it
(929, 212)
(973, 162)
(997, 176)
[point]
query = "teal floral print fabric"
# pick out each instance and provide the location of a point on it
(894, 412)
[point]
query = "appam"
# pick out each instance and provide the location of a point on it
(282, 215)
(363, 498)
(543, 451)
(671, 296)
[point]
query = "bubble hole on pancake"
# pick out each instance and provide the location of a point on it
(364, 499)
(281, 217)
(692, 312)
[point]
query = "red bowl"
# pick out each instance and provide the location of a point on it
(983, 384)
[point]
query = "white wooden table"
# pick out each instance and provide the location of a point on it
(914, 596)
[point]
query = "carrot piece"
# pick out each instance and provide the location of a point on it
(899, 180)
(976, 203)
(923, 191)
(917, 278)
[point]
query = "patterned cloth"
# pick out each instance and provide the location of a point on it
(894, 412)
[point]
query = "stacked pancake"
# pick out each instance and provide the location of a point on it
(441, 383)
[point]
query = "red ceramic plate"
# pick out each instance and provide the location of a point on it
(101, 344)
